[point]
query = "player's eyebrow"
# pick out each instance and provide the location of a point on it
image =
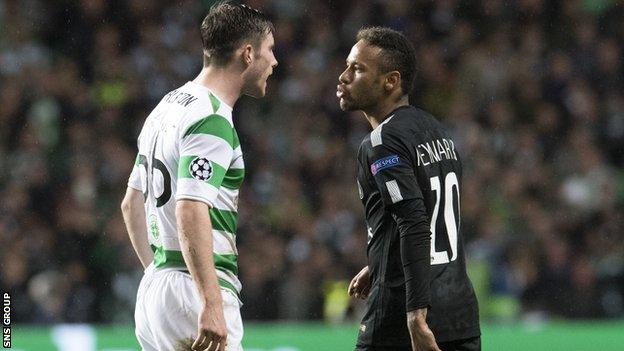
(354, 62)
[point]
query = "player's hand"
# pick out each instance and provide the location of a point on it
(211, 329)
(422, 337)
(360, 284)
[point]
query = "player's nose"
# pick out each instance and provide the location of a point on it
(343, 77)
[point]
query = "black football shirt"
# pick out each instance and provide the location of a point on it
(411, 156)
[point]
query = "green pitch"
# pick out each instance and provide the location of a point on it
(604, 336)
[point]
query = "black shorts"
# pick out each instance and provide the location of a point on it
(470, 344)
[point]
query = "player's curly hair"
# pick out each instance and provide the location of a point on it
(397, 53)
(228, 25)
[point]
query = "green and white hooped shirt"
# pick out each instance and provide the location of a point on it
(189, 149)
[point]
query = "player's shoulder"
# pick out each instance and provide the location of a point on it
(199, 102)
(409, 121)
(396, 128)
(405, 125)
(406, 118)
(209, 119)
(209, 114)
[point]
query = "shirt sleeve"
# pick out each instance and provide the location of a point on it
(415, 243)
(135, 181)
(395, 177)
(206, 149)
(392, 168)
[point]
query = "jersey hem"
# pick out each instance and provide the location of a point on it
(196, 198)
(135, 187)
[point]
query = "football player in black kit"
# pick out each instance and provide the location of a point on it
(409, 180)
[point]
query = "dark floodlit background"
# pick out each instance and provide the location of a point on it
(533, 92)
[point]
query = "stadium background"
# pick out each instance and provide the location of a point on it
(532, 90)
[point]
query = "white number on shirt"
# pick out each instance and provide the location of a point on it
(451, 186)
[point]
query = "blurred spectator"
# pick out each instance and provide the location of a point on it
(532, 90)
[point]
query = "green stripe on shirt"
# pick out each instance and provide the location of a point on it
(233, 178)
(227, 285)
(167, 258)
(215, 102)
(214, 124)
(226, 221)
(174, 259)
(228, 263)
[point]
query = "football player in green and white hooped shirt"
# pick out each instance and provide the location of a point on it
(180, 207)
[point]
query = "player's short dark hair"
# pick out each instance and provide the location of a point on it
(397, 53)
(227, 26)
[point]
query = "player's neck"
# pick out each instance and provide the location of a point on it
(223, 82)
(378, 114)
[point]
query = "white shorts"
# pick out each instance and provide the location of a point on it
(167, 309)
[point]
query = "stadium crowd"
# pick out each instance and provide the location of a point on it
(532, 90)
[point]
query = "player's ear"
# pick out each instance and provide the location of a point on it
(247, 54)
(393, 80)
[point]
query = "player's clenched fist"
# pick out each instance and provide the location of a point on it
(211, 330)
(360, 284)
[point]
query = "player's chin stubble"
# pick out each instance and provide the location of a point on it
(346, 105)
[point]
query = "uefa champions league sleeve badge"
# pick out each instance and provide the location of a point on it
(201, 169)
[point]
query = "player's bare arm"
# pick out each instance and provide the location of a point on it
(196, 243)
(134, 217)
